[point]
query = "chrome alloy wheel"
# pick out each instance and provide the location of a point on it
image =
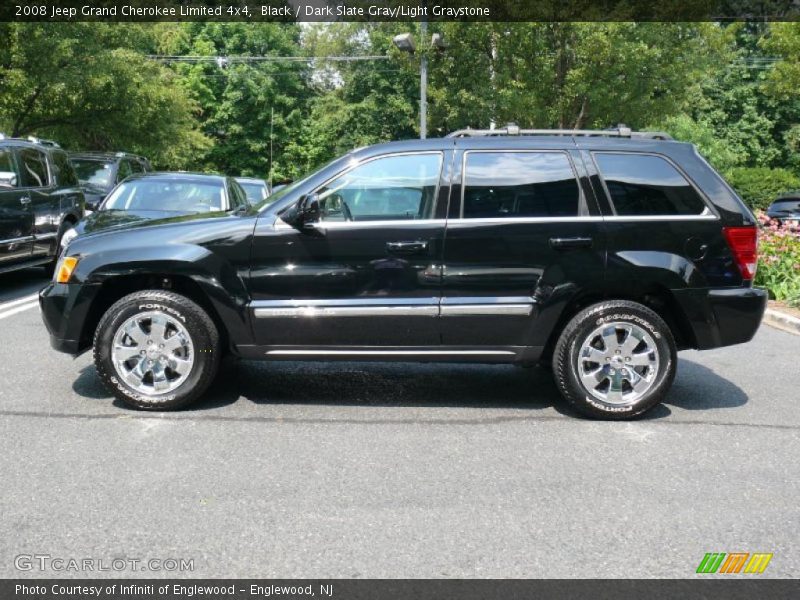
(618, 363)
(153, 353)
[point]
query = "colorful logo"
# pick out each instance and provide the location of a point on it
(734, 562)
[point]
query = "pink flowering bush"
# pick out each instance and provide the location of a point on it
(779, 259)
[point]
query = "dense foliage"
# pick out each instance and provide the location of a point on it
(730, 89)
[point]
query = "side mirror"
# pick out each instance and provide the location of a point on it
(8, 179)
(309, 210)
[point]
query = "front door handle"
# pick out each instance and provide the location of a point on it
(571, 242)
(406, 247)
(25, 200)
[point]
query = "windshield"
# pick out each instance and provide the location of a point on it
(167, 195)
(95, 172)
(256, 192)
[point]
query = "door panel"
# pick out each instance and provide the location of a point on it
(526, 243)
(16, 221)
(368, 273)
(44, 203)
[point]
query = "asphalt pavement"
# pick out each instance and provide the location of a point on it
(394, 470)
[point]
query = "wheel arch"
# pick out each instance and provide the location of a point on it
(657, 298)
(223, 310)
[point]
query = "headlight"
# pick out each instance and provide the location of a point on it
(69, 235)
(66, 265)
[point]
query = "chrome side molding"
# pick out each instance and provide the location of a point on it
(422, 307)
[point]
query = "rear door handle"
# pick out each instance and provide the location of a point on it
(571, 242)
(406, 247)
(25, 200)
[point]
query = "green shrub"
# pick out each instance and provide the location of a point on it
(759, 186)
(779, 260)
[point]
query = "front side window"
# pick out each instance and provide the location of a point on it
(401, 187)
(646, 185)
(9, 178)
(519, 184)
(34, 168)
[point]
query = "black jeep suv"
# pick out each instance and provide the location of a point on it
(600, 252)
(99, 172)
(40, 199)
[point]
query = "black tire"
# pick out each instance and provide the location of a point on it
(578, 332)
(50, 267)
(198, 325)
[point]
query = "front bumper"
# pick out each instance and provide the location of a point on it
(65, 310)
(724, 316)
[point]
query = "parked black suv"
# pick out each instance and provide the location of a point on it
(99, 172)
(40, 199)
(601, 253)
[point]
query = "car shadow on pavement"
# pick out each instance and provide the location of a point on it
(696, 387)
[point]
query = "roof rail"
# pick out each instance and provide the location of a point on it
(620, 131)
(42, 142)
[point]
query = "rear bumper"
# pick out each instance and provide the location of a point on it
(65, 308)
(722, 317)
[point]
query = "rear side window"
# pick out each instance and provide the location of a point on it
(646, 185)
(8, 168)
(519, 184)
(65, 174)
(34, 167)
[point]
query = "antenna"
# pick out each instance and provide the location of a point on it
(271, 128)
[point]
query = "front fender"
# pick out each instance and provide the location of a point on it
(217, 278)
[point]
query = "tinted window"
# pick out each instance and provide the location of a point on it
(519, 184)
(394, 188)
(137, 167)
(65, 174)
(641, 184)
(237, 195)
(7, 165)
(34, 167)
(185, 196)
(96, 172)
(256, 192)
(124, 170)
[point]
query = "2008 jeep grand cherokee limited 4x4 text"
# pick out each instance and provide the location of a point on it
(601, 252)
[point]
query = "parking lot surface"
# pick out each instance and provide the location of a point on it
(392, 470)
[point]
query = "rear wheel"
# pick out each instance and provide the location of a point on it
(156, 350)
(615, 360)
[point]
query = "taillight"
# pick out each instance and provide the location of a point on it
(743, 242)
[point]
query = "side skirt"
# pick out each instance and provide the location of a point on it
(492, 355)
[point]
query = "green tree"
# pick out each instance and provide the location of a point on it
(360, 102)
(571, 75)
(237, 97)
(89, 86)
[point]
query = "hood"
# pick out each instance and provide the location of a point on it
(104, 220)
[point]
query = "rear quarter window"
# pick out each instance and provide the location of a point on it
(647, 185)
(65, 174)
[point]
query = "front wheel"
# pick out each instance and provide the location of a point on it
(615, 360)
(156, 350)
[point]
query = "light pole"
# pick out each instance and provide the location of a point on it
(405, 43)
